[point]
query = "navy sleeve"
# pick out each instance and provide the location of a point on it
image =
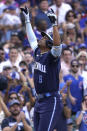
(52, 58)
(5, 123)
(36, 52)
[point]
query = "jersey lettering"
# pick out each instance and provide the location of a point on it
(40, 67)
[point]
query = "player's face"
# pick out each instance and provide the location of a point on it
(42, 43)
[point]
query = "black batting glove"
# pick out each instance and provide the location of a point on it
(52, 17)
(25, 12)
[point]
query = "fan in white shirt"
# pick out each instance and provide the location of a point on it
(60, 8)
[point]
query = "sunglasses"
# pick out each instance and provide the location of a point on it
(13, 98)
(75, 66)
(70, 15)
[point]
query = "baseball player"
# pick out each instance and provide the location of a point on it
(47, 52)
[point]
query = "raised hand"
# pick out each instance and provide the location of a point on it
(68, 83)
(52, 17)
(25, 12)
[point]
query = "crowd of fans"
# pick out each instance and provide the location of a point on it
(17, 92)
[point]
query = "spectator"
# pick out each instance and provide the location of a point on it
(11, 21)
(70, 32)
(85, 33)
(76, 6)
(2, 55)
(60, 8)
(66, 59)
(71, 27)
(82, 59)
(16, 118)
(14, 41)
(41, 14)
(76, 89)
(82, 47)
(81, 115)
(28, 58)
(14, 58)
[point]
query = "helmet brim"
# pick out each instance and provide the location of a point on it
(47, 35)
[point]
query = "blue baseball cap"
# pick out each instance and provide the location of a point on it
(11, 7)
(83, 45)
(13, 102)
(20, 2)
(12, 92)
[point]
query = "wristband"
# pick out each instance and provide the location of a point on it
(27, 21)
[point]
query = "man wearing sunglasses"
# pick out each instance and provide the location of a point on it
(76, 88)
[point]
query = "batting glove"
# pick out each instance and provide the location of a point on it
(53, 18)
(25, 12)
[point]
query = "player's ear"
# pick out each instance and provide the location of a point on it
(49, 44)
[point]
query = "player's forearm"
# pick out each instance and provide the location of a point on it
(56, 36)
(31, 36)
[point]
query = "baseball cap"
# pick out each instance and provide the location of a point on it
(6, 67)
(11, 7)
(14, 101)
(20, 2)
(83, 45)
(48, 35)
(12, 92)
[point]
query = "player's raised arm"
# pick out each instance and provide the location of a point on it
(57, 48)
(30, 34)
(53, 19)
